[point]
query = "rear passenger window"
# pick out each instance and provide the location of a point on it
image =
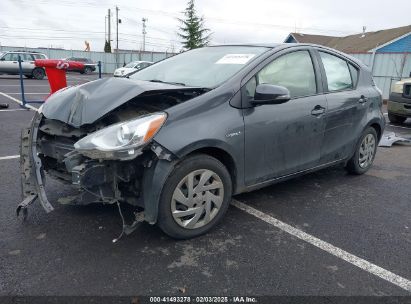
(354, 74)
(28, 57)
(294, 71)
(337, 72)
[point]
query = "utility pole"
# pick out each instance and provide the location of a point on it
(117, 22)
(144, 33)
(109, 26)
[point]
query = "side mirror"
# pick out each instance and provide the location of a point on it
(270, 94)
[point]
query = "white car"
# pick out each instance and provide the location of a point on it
(131, 67)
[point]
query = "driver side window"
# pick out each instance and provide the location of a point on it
(294, 71)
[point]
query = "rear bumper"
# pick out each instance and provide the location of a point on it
(399, 105)
(399, 108)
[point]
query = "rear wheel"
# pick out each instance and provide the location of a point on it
(38, 73)
(195, 197)
(364, 154)
(395, 118)
(88, 70)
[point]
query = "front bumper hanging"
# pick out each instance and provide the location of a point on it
(32, 184)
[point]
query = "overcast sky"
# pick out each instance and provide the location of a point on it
(67, 23)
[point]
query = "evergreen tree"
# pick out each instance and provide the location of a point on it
(192, 29)
(107, 47)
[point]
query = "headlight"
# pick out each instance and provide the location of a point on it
(121, 140)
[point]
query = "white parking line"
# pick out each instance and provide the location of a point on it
(13, 110)
(27, 93)
(338, 252)
(18, 101)
(9, 157)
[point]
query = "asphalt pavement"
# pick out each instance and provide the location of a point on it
(70, 251)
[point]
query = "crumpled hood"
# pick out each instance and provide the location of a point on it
(87, 103)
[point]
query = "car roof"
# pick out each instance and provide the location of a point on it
(23, 52)
(289, 45)
(140, 61)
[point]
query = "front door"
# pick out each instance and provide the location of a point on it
(285, 138)
(10, 63)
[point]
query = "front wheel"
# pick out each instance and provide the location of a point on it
(195, 197)
(364, 154)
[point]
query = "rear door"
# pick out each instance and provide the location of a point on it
(27, 63)
(346, 102)
(285, 138)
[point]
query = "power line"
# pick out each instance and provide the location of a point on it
(217, 20)
(81, 32)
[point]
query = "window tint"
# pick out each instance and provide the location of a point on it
(337, 72)
(294, 71)
(354, 74)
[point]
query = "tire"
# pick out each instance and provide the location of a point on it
(396, 119)
(364, 153)
(217, 199)
(38, 73)
(87, 70)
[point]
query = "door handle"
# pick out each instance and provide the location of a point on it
(363, 99)
(318, 110)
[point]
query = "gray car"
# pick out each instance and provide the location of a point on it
(180, 137)
(9, 64)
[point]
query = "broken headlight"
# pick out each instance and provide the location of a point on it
(122, 140)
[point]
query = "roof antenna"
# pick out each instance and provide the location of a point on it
(363, 31)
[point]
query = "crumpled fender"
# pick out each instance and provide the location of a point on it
(153, 182)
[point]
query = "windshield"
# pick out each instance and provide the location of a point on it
(131, 65)
(205, 67)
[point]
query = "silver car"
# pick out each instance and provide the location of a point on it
(9, 64)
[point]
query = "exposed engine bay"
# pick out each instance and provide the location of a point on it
(48, 149)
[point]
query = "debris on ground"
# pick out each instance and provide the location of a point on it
(388, 139)
(41, 236)
(182, 289)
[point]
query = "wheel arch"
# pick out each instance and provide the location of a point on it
(378, 127)
(155, 177)
(223, 156)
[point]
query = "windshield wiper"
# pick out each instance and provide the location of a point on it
(169, 82)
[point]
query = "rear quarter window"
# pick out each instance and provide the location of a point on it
(337, 72)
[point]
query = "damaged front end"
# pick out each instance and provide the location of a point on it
(111, 160)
